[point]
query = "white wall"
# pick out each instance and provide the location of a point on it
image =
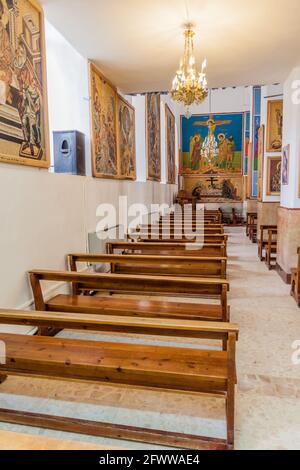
(268, 93)
(45, 215)
(68, 89)
(140, 136)
(291, 135)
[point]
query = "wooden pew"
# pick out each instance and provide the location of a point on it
(208, 219)
(168, 249)
(271, 248)
(155, 264)
(136, 285)
(159, 229)
(263, 241)
(113, 324)
(250, 221)
(186, 370)
(186, 239)
(295, 289)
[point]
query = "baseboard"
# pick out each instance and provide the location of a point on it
(287, 278)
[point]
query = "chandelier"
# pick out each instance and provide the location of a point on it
(189, 86)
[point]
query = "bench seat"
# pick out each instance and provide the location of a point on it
(134, 307)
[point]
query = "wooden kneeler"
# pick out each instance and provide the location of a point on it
(151, 367)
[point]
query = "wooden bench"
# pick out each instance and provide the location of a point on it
(206, 239)
(168, 249)
(202, 371)
(207, 229)
(271, 248)
(155, 264)
(295, 289)
(250, 221)
(263, 241)
(136, 285)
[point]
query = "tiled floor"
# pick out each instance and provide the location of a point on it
(267, 408)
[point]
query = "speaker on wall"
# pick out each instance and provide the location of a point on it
(69, 152)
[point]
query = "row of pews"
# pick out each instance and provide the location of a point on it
(144, 293)
(267, 250)
(265, 237)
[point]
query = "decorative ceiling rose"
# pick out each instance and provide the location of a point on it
(189, 86)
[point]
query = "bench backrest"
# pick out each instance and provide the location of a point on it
(127, 325)
(155, 264)
(174, 249)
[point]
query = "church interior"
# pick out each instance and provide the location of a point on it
(150, 225)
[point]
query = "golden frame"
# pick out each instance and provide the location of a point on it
(94, 69)
(272, 104)
(24, 161)
(168, 110)
(121, 176)
(149, 177)
(268, 189)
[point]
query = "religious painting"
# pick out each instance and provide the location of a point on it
(212, 144)
(273, 176)
(285, 164)
(261, 144)
(24, 133)
(247, 141)
(103, 124)
(170, 146)
(215, 189)
(153, 136)
(126, 139)
(274, 129)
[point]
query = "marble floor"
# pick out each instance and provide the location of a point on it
(268, 391)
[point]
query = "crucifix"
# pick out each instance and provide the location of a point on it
(212, 182)
(211, 124)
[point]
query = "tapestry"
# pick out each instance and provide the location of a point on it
(274, 129)
(215, 189)
(104, 129)
(24, 137)
(126, 139)
(153, 127)
(273, 176)
(170, 146)
(212, 144)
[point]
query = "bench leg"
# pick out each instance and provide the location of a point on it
(2, 378)
(230, 414)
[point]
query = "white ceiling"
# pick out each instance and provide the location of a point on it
(138, 43)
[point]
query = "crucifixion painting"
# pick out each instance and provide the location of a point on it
(212, 144)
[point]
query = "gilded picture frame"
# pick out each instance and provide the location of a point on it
(153, 136)
(126, 145)
(170, 124)
(24, 126)
(103, 116)
(273, 187)
(274, 126)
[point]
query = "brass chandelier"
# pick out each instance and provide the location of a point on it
(189, 86)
